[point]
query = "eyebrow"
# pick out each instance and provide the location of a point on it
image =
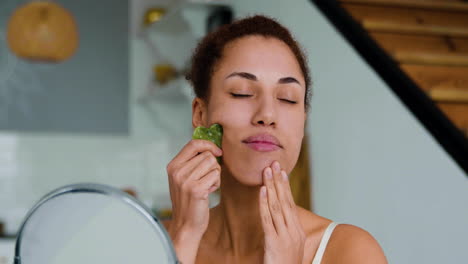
(252, 77)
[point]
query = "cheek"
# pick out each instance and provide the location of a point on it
(244, 164)
(228, 113)
(247, 165)
(293, 135)
(292, 155)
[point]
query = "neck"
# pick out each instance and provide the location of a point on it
(235, 222)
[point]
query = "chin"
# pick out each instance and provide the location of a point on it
(249, 173)
(251, 179)
(247, 165)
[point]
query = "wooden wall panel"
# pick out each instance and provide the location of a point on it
(408, 16)
(300, 178)
(438, 77)
(458, 114)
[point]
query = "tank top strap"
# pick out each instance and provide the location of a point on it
(323, 243)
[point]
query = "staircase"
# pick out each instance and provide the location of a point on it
(429, 40)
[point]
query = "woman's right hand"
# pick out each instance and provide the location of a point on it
(193, 174)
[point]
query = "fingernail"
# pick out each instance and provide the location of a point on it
(268, 173)
(263, 191)
(285, 176)
(276, 167)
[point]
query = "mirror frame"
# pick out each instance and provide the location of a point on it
(103, 190)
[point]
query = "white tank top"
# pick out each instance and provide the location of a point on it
(323, 243)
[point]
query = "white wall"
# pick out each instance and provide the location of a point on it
(373, 164)
(32, 164)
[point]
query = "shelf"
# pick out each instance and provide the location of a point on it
(174, 12)
(172, 40)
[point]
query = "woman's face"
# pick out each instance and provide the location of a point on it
(257, 95)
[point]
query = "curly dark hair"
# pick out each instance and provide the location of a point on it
(210, 50)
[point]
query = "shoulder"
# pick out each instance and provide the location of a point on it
(353, 244)
(347, 244)
(312, 224)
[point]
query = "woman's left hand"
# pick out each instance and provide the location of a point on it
(284, 236)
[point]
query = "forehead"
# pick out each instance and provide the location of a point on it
(266, 57)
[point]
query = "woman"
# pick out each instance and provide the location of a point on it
(251, 77)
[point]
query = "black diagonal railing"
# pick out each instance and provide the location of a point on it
(415, 99)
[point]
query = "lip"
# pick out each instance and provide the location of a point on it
(263, 142)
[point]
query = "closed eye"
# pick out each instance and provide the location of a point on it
(240, 95)
(289, 101)
(249, 95)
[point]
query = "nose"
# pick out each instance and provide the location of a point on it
(265, 114)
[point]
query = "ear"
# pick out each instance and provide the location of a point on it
(199, 111)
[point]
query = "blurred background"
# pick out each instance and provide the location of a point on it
(105, 101)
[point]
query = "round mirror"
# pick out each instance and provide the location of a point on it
(91, 223)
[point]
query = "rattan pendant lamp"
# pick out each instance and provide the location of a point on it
(42, 31)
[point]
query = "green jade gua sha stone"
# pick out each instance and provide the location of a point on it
(213, 134)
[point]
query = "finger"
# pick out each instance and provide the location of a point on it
(193, 162)
(210, 180)
(208, 164)
(194, 147)
(290, 198)
(197, 167)
(282, 189)
(273, 202)
(267, 221)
